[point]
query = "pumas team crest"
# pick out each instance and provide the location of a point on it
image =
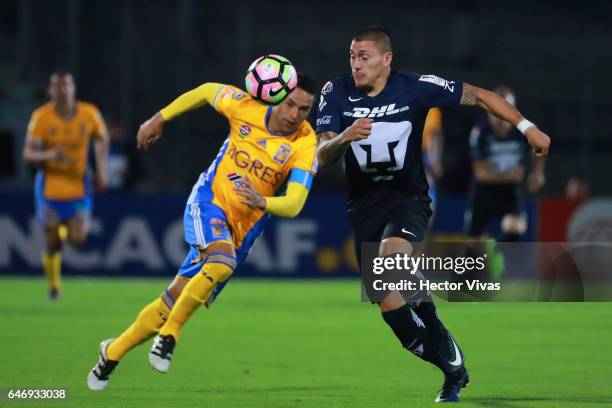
(282, 154)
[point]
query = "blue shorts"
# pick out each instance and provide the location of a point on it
(60, 211)
(205, 223)
(55, 211)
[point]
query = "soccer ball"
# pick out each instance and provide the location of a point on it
(271, 78)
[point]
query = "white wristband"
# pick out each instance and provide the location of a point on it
(523, 125)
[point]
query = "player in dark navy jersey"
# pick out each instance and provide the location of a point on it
(374, 119)
(499, 158)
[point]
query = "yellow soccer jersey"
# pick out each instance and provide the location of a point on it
(252, 150)
(433, 124)
(64, 179)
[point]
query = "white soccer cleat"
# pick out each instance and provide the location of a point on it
(97, 380)
(160, 356)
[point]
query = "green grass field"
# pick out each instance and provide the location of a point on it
(300, 344)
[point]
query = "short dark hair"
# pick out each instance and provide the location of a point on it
(503, 90)
(377, 34)
(306, 83)
(61, 71)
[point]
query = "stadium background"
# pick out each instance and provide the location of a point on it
(301, 342)
(132, 57)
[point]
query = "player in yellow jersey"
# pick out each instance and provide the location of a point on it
(432, 151)
(268, 147)
(57, 142)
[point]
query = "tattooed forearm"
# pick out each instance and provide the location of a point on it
(331, 148)
(469, 97)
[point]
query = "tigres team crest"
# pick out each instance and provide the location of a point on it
(282, 154)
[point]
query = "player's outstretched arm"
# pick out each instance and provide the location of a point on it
(332, 146)
(498, 106)
(151, 130)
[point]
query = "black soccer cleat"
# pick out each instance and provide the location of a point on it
(97, 379)
(55, 293)
(160, 356)
(453, 383)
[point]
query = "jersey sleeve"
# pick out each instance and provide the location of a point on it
(35, 128)
(477, 145)
(227, 100)
(305, 159)
(98, 124)
(329, 113)
(435, 91)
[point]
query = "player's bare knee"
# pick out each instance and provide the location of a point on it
(77, 238)
(53, 243)
(514, 224)
(176, 287)
(395, 245)
(392, 301)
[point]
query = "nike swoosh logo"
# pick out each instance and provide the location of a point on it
(405, 231)
(274, 92)
(354, 100)
(457, 361)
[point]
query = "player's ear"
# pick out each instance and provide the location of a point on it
(387, 58)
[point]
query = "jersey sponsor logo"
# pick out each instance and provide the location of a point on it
(354, 99)
(432, 79)
(245, 130)
(384, 152)
(255, 167)
(262, 143)
(327, 88)
(238, 96)
(324, 120)
(376, 112)
(236, 179)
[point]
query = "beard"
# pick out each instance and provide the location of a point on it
(366, 89)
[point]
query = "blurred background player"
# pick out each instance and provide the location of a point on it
(433, 144)
(227, 208)
(499, 154)
(374, 120)
(57, 142)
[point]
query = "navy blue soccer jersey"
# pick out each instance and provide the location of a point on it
(504, 153)
(388, 164)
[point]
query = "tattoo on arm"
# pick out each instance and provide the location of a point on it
(469, 97)
(330, 149)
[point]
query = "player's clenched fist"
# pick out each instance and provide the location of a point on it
(538, 140)
(150, 131)
(360, 129)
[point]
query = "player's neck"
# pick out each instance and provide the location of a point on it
(65, 110)
(274, 125)
(379, 84)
